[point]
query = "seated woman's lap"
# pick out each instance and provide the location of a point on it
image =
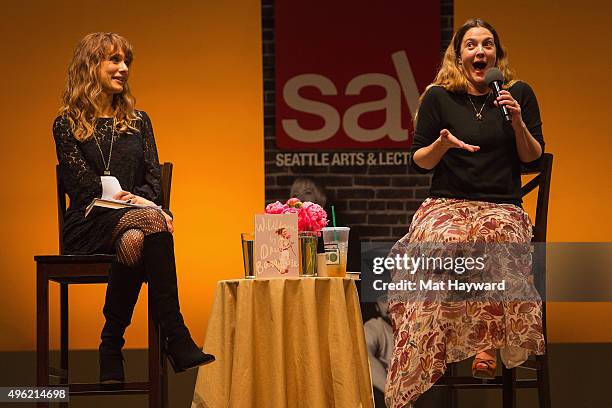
(454, 221)
(500, 223)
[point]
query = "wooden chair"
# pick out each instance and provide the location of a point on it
(508, 381)
(86, 269)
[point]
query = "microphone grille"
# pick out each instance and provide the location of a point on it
(492, 75)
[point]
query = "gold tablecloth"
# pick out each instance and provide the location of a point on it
(285, 343)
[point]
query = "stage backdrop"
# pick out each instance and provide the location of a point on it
(347, 83)
(197, 72)
(351, 77)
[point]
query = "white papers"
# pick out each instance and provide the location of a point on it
(110, 187)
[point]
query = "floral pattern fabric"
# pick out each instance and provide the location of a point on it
(430, 331)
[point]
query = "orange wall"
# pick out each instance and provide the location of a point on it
(197, 72)
(563, 49)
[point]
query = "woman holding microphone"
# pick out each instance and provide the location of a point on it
(475, 197)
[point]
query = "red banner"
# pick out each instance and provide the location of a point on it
(349, 72)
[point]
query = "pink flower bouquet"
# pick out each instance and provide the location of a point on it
(311, 216)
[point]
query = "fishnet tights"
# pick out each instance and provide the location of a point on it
(128, 235)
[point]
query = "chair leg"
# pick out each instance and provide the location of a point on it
(64, 335)
(64, 330)
(509, 387)
(452, 371)
(155, 357)
(42, 329)
(543, 373)
(543, 382)
(164, 382)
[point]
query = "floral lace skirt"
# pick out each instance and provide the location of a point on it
(430, 334)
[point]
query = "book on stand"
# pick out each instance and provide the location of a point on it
(276, 246)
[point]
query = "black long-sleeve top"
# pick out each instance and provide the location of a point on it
(491, 174)
(134, 162)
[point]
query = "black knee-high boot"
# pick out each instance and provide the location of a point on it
(121, 295)
(158, 258)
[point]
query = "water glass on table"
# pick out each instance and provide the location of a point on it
(247, 254)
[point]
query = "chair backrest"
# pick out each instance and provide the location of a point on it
(166, 186)
(542, 182)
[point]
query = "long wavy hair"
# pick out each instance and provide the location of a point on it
(452, 76)
(82, 90)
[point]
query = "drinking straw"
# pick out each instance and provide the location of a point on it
(334, 222)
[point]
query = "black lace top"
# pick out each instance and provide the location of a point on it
(133, 161)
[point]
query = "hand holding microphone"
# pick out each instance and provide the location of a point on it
(508, 106)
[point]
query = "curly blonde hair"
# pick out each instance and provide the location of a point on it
(451, 75)
(80, 98)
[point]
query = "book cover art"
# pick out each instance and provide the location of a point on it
(276, 246)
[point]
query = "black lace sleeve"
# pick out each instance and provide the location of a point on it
(151, 189)
(81, 183)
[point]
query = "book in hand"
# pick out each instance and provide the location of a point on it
(115, 204)
(110, 188)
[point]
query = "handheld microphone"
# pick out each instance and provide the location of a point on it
(494, 78)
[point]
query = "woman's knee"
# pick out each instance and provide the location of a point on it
(502, 226)
(154, 220)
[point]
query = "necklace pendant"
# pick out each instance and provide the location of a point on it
(478, 116)
(107, 172)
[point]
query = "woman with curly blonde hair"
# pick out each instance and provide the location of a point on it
(100, 134)
(476, 157)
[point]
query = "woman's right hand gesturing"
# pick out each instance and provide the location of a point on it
(428, 157)
(448, 140)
